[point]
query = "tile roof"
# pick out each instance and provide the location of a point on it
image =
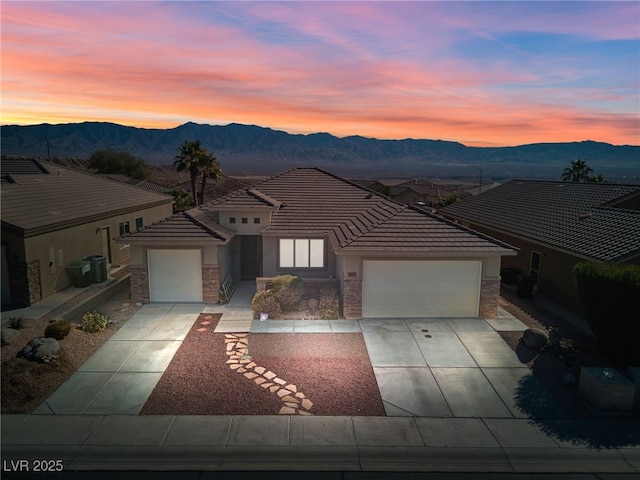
(575, 217)
(136, 182)
(315, 202)
(196, 225)
(43, 196)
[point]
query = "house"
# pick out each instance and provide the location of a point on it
(556, 225)
(388, 259)
(420, 192)
(136, 182)
(53, 216)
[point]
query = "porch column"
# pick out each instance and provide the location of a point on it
(351, 296)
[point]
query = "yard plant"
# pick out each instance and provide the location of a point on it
(57, 329)
(610, 293)
(93, 322)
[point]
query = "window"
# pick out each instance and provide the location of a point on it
(124, 228)
(256, 219)
(301, 253)
(245, 220)
(232, 219)
(139, 223)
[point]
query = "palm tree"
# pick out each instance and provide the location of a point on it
(189, 159)
(181, 200)
(210, 170)
(579, 172)
(598, 179)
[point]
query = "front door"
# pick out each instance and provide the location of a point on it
(250, 256)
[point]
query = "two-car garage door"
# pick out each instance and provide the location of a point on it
(438, 288)
(175, 275)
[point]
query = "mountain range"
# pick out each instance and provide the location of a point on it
(243, 149)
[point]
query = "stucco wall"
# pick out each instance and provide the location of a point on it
(249, 228)
(54, 251)
(270, 246)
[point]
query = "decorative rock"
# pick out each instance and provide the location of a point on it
(287, 411)
(279, 381)
(306, 403)
(302, 412)
(283, 393)
(291, 404)
(260, 370)
(8, 335)
(250, 375)
(292, 387)
(266, 385)
(205, 323)
(235, 366)
(251, 365)
(299, 395)
(41, 349)
(313, 303)
(228, 335)
(241, 370)
(230, 346)
(259, 380)
(534, 338)
(289, 398)
(201, 330)
(275, 388)
(270, 375)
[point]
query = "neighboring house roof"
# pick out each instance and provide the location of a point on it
(39, 196)
(580, 218)
(136, 182)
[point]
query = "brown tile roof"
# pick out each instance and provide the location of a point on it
(136, 182)
(310, 201)
(575, 217)
(45, 197)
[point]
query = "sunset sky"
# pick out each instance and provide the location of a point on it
(481, 73)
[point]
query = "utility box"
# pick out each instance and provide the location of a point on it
(98, 267)
(80, 273)
(606, 388)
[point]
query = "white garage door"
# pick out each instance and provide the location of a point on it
(175, 275)
(401, 289)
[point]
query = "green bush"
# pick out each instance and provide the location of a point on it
(57, 329)
(265, 301)
(610, 296)
(329, 304)
(93, 322)
(16, 323)
(284, 282)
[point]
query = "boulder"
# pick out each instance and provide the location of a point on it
(41, 349)
(8, 335)
(535, 338)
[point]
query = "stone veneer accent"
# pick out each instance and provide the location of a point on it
(489, 295)
(210, 283)
(352, 297)
(24, 283)
(139, 283)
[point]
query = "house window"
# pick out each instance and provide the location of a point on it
(256, 219)
(124, 228)
(245, 220)
(301, 253)
(232, 219)
(139, 223)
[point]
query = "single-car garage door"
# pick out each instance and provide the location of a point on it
(439, 288)
(175, 275)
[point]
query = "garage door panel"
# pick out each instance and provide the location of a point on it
(175, 275)
(440, 288)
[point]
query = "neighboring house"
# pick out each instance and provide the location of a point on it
(417, 191)
(556, 225)
(52, 216)
(136, 182)
(389, 260)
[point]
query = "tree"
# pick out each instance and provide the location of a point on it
(597, 179)
(115, 161)
(210, 169)
(181, 200)
(578, 172)
(189, 159)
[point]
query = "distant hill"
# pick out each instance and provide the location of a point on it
(252, 149)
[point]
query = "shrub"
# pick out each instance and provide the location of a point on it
(265, 302)
(329, 304)
(610, 295)
(57, 329)
(284, 282)
(93, 322)
(16, 323)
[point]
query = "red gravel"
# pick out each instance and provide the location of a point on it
(332, 370)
